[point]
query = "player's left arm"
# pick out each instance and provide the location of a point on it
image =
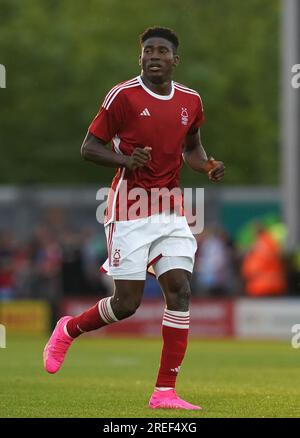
(196, 158)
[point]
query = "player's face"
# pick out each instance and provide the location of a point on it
(158, 59)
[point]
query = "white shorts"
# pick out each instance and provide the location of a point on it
(156, 243)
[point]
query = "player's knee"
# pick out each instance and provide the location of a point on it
(181, 287)
(179, 294)
(125, 306)
(129, 308)
(184, 292)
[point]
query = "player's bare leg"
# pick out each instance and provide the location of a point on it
(176, 288)
(125, 301)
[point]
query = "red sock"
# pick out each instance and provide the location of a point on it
(175, 329)
(92, 319)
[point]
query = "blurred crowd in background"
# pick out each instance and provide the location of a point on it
(57, 260)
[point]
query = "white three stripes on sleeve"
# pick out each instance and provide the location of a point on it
(116, 87)
(116, 90)
(184, 89)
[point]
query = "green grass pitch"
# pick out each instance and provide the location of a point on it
(113, 378)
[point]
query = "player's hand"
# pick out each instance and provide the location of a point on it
(217, 170)
(138, 158)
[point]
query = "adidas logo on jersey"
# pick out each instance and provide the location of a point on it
(176, 370)
(145, 112)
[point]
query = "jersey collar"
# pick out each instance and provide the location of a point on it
(157, 96)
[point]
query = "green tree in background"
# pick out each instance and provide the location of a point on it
(63, 56)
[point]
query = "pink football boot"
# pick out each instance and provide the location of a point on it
(57, 347)
(169, 400)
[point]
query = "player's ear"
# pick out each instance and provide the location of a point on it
(176, 60)
(140, 60)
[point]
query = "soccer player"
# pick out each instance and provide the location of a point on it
(153, 124)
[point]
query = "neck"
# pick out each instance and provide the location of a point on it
(163, 88)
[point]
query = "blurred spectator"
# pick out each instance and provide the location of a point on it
(93, 250)
(293, 272)
(73, 281)
(263, 268)
(46, 257)
(7, 251)
(215, 273)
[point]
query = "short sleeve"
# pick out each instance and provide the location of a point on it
(199, 118)
(109, 119)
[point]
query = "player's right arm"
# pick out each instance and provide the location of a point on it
(108, 122)
(93, 149)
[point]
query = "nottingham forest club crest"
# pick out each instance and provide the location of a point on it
(116, 257)
(184, 116)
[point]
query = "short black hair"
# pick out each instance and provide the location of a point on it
(160, 32)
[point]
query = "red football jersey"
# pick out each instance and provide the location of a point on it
(134, 116)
